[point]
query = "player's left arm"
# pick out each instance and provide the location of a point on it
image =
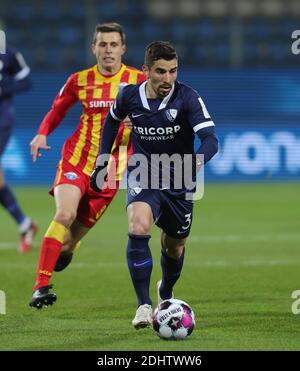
(203, 126)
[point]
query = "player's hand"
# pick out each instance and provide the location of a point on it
(38, 142)
(98, 177)
(197, 163)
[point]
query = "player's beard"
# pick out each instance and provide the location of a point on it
(163, 90)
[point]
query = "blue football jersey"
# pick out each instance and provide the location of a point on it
(14, 78)
(162, 126)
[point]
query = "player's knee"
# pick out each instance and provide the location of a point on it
(139, 228)
(65, 217)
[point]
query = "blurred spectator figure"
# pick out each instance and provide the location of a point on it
(14, 78)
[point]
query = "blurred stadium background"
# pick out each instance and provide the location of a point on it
(237, 54)
(243, 260)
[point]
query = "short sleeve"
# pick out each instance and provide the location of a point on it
(198, 116)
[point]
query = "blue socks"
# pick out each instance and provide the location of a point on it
(139, 260)
(171, 270)
(8, 201)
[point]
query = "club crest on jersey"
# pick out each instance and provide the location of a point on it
(71, 175)
(171, 114)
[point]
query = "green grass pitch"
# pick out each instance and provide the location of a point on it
(241, 267)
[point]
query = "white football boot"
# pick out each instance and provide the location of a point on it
(143, 317)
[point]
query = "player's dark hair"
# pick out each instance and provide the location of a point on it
(109, 27)
(159, 50)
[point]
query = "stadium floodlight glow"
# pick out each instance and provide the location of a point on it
(2, 42)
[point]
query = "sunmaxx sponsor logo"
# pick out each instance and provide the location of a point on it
(101, 103)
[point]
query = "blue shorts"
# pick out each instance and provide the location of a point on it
(5, 134)
(172, 214)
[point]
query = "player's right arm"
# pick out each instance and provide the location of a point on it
(62, 103)
(203, 126)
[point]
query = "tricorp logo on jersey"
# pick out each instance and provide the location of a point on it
(157, 133)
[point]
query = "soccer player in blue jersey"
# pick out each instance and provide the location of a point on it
(165, 115)
(14, 78)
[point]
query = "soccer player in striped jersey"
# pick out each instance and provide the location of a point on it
(78, 207)
(14, 78)
(165, 115)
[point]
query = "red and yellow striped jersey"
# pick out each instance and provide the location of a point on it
(97, 93)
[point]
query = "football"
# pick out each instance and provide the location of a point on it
(173, 319)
